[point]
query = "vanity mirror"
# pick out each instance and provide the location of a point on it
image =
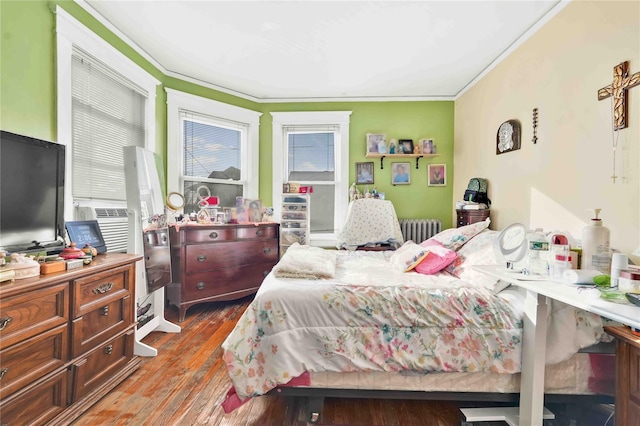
(511, 245)
(175, 201)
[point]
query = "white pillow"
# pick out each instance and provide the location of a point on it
(408, 256)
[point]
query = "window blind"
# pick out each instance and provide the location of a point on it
(108, 113)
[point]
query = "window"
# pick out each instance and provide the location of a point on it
(108, 113)
(214, 150)
(311, 148)
(105, 102)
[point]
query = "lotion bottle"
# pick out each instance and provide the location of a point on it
(595, 245)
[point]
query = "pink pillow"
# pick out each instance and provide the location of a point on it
(439, 257)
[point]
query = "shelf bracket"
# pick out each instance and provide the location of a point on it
(417, 158)
(381, 162)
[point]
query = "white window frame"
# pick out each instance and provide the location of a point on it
(179, 101)
(70, 33)
(341, 152)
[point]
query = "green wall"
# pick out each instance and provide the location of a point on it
(28, 106)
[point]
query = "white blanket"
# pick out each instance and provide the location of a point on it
(301, 261)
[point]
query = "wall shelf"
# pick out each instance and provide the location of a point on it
(382, 157)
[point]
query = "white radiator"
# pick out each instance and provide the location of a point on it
(419, 230)
(113, 222)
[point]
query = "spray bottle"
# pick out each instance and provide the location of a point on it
(595, 245)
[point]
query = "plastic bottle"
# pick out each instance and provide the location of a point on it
(538, 253)
(595, 245)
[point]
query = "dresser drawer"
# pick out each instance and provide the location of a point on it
(31, 359)
(224, 281)
(209, 235)
(38, 403)
(294, 207)
(100, 324)
(253, 232)
(93, 292)
(101, 363)
(29, 314)
(209, 257)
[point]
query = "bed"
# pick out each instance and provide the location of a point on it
(345, 323)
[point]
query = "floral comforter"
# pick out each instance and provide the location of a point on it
(371, 318)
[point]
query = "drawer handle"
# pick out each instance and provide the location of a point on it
(260, 233)
(200, 286)
(3, 372)
(103, 288)
(202, 258)
(267, 250)
(105, 311)
(5, 322)
(108, 350)
(213, 235)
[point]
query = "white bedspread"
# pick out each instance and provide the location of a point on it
(370, 317)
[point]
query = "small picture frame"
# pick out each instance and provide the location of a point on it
(84, 232)
(364, 173)
(373, 142)
(406, 145)
(427, 146)
(400, 173)
(437, 175)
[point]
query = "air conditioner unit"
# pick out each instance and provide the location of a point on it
(114, 225)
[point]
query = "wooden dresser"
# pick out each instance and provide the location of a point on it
(627, 375)
(220, 262)
(467, 217)
(66, 340)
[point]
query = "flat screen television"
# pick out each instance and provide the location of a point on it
(31, 194)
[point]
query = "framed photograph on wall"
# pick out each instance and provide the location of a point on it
(364, 173)
(400, 173)
(437, 175)
(375, 140)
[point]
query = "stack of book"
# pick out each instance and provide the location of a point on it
(470, 205)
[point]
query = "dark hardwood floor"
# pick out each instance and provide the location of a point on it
(186, 382)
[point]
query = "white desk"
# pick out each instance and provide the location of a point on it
(532, 411)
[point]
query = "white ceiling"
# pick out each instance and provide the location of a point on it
(270, 51)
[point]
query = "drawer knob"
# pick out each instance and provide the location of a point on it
(213, 235)
(267, 250)
(202, 258)
(103, 288)
(5, 322)
(200, 286)
(260, 233)
(3, 372)
(105, 311)
(108, 350)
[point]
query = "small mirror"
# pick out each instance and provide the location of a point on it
(175, 201)
(511, 244)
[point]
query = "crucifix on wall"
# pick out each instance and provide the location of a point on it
(618, 89)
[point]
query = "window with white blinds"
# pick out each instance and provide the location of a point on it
(312, 148)
(212, 148)
(311, 161)
(212, 159)
(108, 113)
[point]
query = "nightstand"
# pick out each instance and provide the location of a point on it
(627, 375)
(467, 217)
